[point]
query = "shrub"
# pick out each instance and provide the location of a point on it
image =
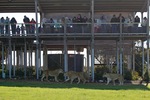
(127, 74)
(19, 72)
(131, 75)
(135, 75)
(99, 71)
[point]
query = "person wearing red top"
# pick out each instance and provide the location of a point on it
(32, 26)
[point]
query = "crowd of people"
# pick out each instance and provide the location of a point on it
(82, 24)
(77, 24)
(10, 26)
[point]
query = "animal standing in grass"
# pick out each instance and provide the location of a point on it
(53, 73)
(73, 75)
(112, 77)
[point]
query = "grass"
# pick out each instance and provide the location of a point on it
(35, 90)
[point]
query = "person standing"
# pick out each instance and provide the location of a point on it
(144, 25)
(7, 22)
(51, 25)
(79, 25)
(121, 21)
(136, 23)
(114, 24)
(22, 29)
(130, 21)
(26, 21)
(13, 23)
(103, 24)
(18, 30)
(32, 26)
(2, 22)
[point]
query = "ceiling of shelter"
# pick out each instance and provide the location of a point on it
(49, 6)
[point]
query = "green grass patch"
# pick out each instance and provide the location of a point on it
(35, 90)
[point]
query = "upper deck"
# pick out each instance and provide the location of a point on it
(79, 32)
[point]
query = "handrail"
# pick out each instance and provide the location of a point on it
(28, 29)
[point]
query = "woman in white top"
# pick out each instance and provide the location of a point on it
(144, 25)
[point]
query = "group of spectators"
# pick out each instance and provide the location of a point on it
(128, 24)
(77, 24)
(74, 24)
(10, 26)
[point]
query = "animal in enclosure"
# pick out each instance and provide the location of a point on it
(145, 78)
(113, 77)
(54, 73)
(72, 75)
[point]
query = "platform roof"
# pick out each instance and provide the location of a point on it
(49, 6)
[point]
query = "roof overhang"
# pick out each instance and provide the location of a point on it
(57, 6)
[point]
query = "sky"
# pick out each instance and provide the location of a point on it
(19, 16)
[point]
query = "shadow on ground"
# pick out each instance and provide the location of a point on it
(95, 86)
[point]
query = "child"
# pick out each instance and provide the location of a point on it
(22, 29)
(18, 30)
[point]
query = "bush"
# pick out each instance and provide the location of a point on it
(30, 71)
(19, 72)
(135, 75)
(127, 74)
(99, 71)
(131, 75)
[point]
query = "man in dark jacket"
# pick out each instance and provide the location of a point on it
(13, 23)
(26, 21)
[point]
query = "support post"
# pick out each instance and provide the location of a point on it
(133, 56)
(141, 17)
(37, 41)
(121, 54)
(25, 59)
(129, 62)
(75, 55)
(31, 56)
(143, 59)
(14, 60)
(17, 58)
(148, 10)
(10, 58)
(39, 59)
(65, 49)
(117, 57)
(92, 40)
(3, 74)
(88, 51)
(45, 63)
